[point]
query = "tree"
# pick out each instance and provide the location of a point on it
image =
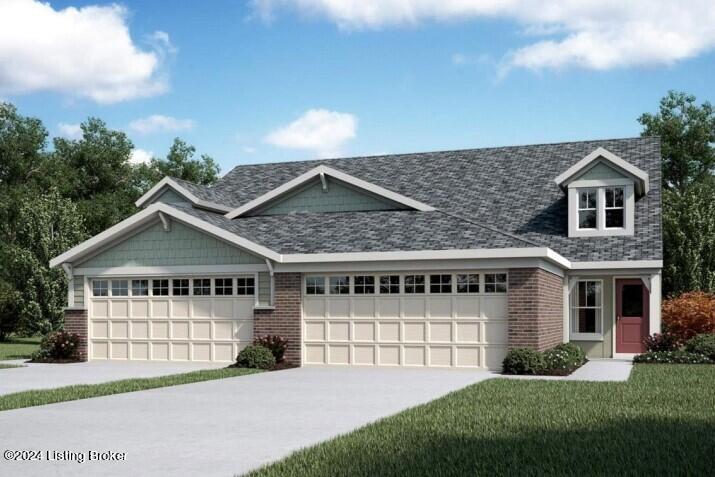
(180, 163)
(22, 144)
(687, 133)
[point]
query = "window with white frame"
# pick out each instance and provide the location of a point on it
(389, 284)
(468, 283)
(223, 286)
(495, 283)
(614, 208)
(245, 286)
(160, 287)
(339, 285)
(414, 283)
(587, 309)
(120, 288)
(364, 284)
(180, 286)
(440, 283)
(140, 287)
(315, 285)
(202, 286)
(588, 208)
(100, 287)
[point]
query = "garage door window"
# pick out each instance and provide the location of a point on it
(414, 283)
(100, 287)
(495, 283)
(120, 288)
(389, 284)
(364, 284)
(202, 286)
(468, 283)
(340, 285)
(140, 287)
(440, 283)
(245, 286)
(314, 285)
(180, 286)
(160, 287)
(224, 286)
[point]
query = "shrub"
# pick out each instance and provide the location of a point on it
(672, 357)
(523, 361)
(276, 344)
(58, 346)
(253, 356)
(689, 314)
(661, 342)
(703, 344)
(563, 359)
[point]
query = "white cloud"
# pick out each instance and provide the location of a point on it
(459, 59)
(157, 123)
(82, 52)
(248, 149)
(70, 131)
(140, 156)
(317, 130)
(594, 34)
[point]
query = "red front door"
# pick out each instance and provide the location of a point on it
(631, 315)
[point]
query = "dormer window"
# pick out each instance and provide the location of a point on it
(601, 190)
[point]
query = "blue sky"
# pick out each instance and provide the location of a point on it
(230, 77)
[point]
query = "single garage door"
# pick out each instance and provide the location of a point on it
(171, 318)
(448, 319)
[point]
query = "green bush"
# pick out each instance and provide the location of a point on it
(703, 344)
(58, 346)
(523, 361)
(672, 357)
(254, 356)
(563, 359)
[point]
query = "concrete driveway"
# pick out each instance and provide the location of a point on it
(45, 376)
(222, 427)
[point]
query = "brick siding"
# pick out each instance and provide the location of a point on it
(76, 322)
(535, 308)
(285, 319)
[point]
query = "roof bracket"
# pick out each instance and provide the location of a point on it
(165, 222)
(68, 270)
(324, 182)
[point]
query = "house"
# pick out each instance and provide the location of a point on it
(432, 259)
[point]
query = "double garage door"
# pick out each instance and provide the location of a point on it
(162, 322)
(453, 320)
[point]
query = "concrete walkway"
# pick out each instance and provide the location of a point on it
(45, 375)
(613, 370)
(223, 427)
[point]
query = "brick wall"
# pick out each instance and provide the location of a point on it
(76, 322)
(285, 319)
(535, 308)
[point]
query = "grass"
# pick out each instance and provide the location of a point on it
(84, 391)
(18, 348)
(8, 366)
(660, 422)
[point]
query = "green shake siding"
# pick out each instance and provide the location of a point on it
(338, 198)
(169, 196)
(601, 171)
(182, 245)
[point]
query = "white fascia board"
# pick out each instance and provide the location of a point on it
(602, 153)
(147, 214)
(617, 265)
(169, 182)
(325, 170)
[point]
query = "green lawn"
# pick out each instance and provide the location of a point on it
(661, 422)
(7, 366)
(18, 348)
(84, 391)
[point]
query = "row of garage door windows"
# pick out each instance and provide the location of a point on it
(179, 287)
(410, 284)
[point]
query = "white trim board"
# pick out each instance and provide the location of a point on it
(168, 182)
(171, 270)
(323, 171)
(641, 176)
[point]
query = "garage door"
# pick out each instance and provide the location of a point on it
(433, 319)
(172, 318)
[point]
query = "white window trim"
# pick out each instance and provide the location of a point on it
(601, 230)
(130, 294)
(575, 336)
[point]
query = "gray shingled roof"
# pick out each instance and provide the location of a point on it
(511, 189)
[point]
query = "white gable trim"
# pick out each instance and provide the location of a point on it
(640, 176)
(172, 184)
(151, 213)
(323, 171)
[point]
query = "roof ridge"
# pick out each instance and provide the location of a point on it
(488, 227)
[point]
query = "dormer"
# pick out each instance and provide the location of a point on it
(602, 190)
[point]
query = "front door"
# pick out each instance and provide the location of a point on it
(631, 315)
